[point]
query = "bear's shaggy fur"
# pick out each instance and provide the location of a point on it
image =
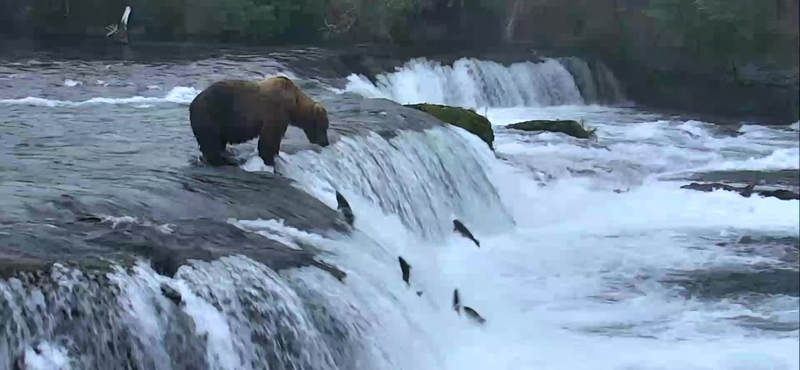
(236, 111)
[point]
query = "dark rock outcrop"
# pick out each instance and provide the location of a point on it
(569, 127)
(726, 283)
(746, 191)
(465, 118)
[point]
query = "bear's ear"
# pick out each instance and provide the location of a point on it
(320, 115)
(319, 110)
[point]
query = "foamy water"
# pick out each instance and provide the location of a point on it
(180, 95)
(569, 274)
(575, 283)
(47, 357)
(638, 145)
(473, 83)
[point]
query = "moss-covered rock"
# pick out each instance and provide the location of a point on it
(569, 127)
(461, 117)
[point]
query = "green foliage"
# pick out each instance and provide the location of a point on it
(721, 33)
(368, 20)
(260, 21)
(732, 31)
(72, 16)
(256, 21)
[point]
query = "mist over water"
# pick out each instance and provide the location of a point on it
(569, 274)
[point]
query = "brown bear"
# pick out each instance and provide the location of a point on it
(236, 111)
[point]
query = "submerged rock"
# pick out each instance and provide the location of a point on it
(780, 194)
(743, 191)
(569, 127)
(465, 118)
(730, 283)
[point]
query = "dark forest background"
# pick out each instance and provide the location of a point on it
(728, 42)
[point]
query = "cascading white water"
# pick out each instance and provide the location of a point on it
(578, 281)
(234, 313)
(474, 83)
(426, 178)
(584, 78)
(609, 90)
(575, 283)
(595, 80)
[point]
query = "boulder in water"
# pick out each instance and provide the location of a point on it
(462, 117)
(569, 127)
(780, 194)
(743, 191)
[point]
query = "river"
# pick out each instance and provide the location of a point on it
(121, 250)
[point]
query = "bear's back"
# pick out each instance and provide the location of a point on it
(281, 89)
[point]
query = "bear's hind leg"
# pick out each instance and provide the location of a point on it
(212, 146)
(207, 133)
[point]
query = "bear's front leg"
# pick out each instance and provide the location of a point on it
(269, 139)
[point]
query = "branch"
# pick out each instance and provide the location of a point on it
(344, 23)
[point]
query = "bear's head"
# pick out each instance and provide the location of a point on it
(317, 129)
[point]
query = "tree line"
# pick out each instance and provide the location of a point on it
(247, 21)
(713, 34)
(721, 32)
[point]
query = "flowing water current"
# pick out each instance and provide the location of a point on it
(591, 255)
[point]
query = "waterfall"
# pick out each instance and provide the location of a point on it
(596, 81)
(235, 314)
(628, 277)
(474, 83)
(426, 178)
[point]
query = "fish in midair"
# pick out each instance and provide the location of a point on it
(748, 191)
(474, 315)
(458, 226)
(456, 301)
(344, 207)
(406, 269)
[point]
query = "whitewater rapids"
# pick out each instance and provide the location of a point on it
(575, 282)
(585, 246)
